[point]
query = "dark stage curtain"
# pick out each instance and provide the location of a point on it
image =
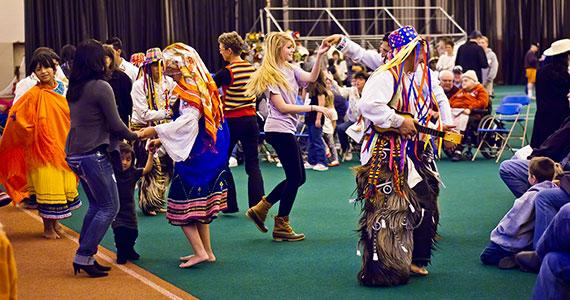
(54, 23)
(143, 24)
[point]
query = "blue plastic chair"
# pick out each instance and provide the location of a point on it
(506, 113)
(525, 102)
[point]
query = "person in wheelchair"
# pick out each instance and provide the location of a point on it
(468, 105)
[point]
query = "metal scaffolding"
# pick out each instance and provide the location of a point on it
(364, 24)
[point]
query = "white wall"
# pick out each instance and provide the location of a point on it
(12, 21)
(11, 31)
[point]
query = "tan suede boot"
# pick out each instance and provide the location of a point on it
(284, 232)
(258, 214)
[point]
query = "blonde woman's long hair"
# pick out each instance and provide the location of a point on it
(269, 73)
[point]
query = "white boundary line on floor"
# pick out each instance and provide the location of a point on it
(123, 268)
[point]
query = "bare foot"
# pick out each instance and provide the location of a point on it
(193, 260)
(211, 258)
(422, 271)
(58, 229)
(51, 235)
(152, 213)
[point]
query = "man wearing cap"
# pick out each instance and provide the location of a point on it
(151, 96)
(472, 95)
(397, 226)
(457, 72)
(374, 59)
(552, 89)
(470, 56)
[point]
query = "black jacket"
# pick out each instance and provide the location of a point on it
(552, 86)
(557, 146)
(470, 56)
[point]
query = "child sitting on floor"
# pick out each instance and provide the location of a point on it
(514, 233)
(125, 223)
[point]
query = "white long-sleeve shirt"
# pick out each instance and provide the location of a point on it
(368, 57)
(129, 69)
(178, 137)
(142, 113)
(372, 59)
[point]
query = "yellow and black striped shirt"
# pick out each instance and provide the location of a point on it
(236, 103)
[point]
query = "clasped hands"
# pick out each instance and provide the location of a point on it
(149, 133)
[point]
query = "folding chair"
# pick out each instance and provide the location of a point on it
(506, 113)
(525, 102)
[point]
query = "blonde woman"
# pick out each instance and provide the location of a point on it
(280, 81)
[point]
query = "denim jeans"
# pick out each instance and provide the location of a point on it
(342, 136)
(514, 172)
(493, 253)
(553, 281)
(317, 153)
(98, 180)
(546, 205)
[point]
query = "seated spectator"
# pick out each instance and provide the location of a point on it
(353, 94)
(514, 171)
(457, 72)
(547, 204)
(552, 258)
(446, 60)
(514, 233)
(472, 95)
(446, 82)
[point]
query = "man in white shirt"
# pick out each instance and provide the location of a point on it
(124, 65)
(394, 160)
(152, 94)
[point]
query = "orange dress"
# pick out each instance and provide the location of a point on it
(32, 151)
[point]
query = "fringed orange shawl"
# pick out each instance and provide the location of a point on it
(34, 136)
(200, 90)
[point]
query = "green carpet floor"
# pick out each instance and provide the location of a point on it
(324, 266)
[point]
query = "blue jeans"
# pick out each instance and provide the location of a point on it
(546, 205)
(514, 173)
(317, 152)
(553, 281)
(98, 181)
(342, 136)
(493, 253)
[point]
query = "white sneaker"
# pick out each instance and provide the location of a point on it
(279, 165)
(308, 165)
(320, 167)
(347, 156)
(233, 162)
